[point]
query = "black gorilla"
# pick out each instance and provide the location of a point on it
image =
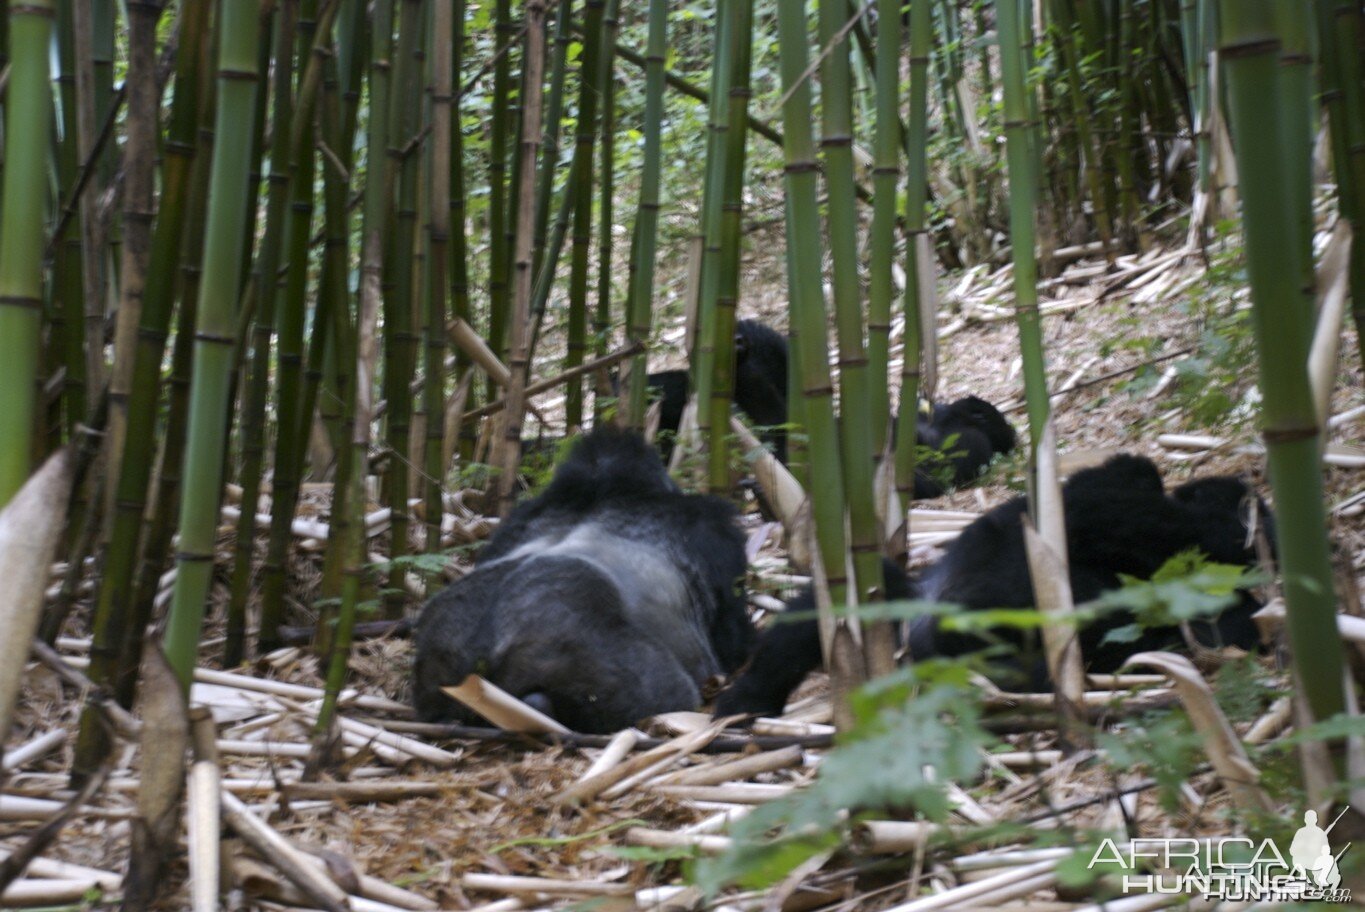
(760, 387)
(966, 435)
(1119, 521)
(610, 597)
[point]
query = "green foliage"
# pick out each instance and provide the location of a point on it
(881, 763)
(1185, 588)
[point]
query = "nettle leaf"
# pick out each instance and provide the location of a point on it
(881, 763)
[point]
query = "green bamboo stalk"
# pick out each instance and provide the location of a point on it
(1341, 34)
(336, 271)
(1265, 113)
(164, 510)
(581, 178)
(294, 402)
(498, 255)
(215, 340)
(882, 232)
(730, 227)
(400, 340)
(639, 303)
(28, 119)
(554, 115)
(256, 387)
(916, 193)
(114, 652)
(703, 359)
(519, 362)
(459, 246)
(68, 270)
(855, 429)
(601, 327)
(807, 298)
(438, 262)
(1020, 147)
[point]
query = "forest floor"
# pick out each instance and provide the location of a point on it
(475, 823)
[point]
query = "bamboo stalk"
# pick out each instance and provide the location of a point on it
(289, 860)
(28, 118)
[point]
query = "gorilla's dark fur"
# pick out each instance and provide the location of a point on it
(610, 597)
(966, 435)
(1119, 520)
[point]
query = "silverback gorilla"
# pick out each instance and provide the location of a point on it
(1119, 520)
(609, 597)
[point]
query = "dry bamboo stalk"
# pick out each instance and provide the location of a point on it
(999, 699)
(1009, 858)
(668, 898)
(33, 749)
(441, 759)
(741, 768)
(588, 788)
(292, 863)
(967, 807)
(375, 889)
(51, 868)
(506, 883)
(1279, 715)
(782, 727)
(46, 892)
(360, 792)
(510, 904)
(242, 748)
(500, 707)
(1017, 890)
(649, 774)
(734, 793)
(298, 691)
(202, 819)
(719, 821)
(892, 837)
(257, 879)
(621, 744)
(1027, 759)
(1149, 902)
(670, 839)
(21, 807)
(959, 897)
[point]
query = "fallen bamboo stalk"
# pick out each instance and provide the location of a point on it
(741, 768)
(373, 888)
(288, 860)
(892, 837)
(734, 793)
(541, 386)
(621, 744)
(507, 883)
(33, 749)
(500, 707)
(959, 897)
(52, 869)
(668, 839)
(588, 788)
(46, 892)
(258, 880)
(360, 792)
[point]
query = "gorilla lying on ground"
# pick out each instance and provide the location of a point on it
(1119, 521)
(966, 435)
(610, 597)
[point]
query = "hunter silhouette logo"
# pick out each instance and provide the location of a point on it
(1233, 868)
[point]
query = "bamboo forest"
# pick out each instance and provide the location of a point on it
(695, 456)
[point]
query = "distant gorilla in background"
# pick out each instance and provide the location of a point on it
(967, 434)
(1119, 521)
(760, 387)
(610, 597)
